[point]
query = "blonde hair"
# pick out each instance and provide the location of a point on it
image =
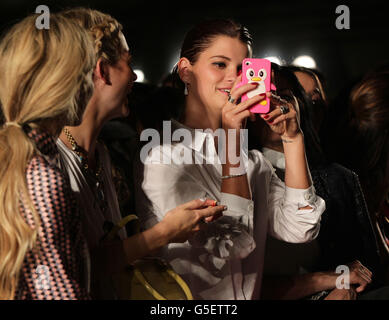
(42, 74)
(104, 29)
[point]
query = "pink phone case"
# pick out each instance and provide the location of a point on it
(259, 71)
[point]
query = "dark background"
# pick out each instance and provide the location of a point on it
(155, 30)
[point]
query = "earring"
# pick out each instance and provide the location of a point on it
(186, 89)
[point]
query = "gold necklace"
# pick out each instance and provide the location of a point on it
(82, 154)
(97, 184)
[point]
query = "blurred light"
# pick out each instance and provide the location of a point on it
(140, 75)
(274, 59)
(304, 61)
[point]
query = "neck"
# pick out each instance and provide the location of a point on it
(87, 132)
(197, 116)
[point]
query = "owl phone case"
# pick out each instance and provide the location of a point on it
(259, 71)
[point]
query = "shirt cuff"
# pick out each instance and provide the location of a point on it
(303, 197)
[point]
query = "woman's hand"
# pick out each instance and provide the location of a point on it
(360, 276)
(234, 115)
(184, 221)
(283, 117)
(342, 294)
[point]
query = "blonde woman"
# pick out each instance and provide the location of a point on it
(42, 75)
(87, 162)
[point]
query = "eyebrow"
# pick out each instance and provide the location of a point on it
(223, 57)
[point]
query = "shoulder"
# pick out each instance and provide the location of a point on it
(335, 171)
(39, 169)
(46, 181)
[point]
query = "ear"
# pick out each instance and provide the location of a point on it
(184, 70)
(102, 71)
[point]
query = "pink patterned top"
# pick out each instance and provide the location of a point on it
(56, 268)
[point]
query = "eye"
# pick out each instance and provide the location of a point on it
(220, 65)
(250, 73)
(247, 63)
(262, 74)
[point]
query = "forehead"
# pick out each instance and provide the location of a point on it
(232, 48)
(306, 80)
(281, 80)
(124, 41)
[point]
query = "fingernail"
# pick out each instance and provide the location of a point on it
(270, 122)
(202, 199)
(265, 116)
(214, 203)
(225, 208)
(262, 94)
(255, 84)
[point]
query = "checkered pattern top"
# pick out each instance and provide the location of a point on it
(56, 268)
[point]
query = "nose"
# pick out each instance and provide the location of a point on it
(134, 76)
(231, 76)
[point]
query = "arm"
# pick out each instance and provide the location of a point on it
(303, 285)
(178, 225)
(297, 174)
(297, 286)
(295, 208)
(58, 262)
(164, 187)
(233, 117)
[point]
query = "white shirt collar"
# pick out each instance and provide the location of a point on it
(198, 135)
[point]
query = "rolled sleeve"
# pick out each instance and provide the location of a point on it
(288, 221)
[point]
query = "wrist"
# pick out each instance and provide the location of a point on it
(325, 280)
(162, 234)
(295, 138)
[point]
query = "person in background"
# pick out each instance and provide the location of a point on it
(365, 147)
(346, 236)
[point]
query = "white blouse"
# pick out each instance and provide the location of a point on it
(225, 259)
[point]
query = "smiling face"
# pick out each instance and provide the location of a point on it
(215, 71)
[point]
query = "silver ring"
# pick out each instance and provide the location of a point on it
(284, 109)
(231, 99)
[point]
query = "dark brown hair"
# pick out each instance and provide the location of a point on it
(369, 133)
(201, 35)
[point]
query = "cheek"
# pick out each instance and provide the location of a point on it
(208, 79)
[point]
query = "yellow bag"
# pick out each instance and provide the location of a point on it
(148, 278)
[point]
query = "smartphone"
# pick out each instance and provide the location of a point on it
(259, 71)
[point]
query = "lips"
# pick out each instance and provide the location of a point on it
(225, 91)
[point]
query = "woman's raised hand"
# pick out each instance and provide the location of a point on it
(233, 114)
(283, 117)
